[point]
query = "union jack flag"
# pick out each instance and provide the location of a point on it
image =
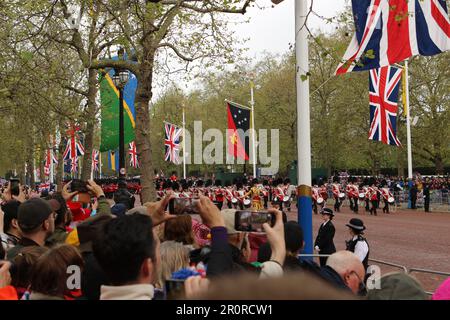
(95, 159)
(44, 186)
(74, 165)
(390, 31)
(49, 159)
(74, 148)
(384, 85)
(132, 151)
(172, 143)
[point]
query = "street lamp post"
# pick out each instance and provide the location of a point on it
(120, 79)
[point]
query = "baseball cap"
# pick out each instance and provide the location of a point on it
(35, 211)
(228, 217)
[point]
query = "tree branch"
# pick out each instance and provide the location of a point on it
(178, 53)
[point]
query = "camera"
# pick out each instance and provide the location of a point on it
(14, 186)
(178, 206)
(79, 185)
(174, 289)
(252, 221)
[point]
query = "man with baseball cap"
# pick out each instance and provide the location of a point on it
(36, 220)
(358, 244)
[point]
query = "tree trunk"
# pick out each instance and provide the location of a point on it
(60, 167)
(143, 96)
(439, 165)
(90, 125)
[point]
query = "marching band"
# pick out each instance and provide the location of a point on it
(255, 195)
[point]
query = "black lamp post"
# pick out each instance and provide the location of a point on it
(120, 79)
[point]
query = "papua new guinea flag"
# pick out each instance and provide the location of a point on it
(238, 124)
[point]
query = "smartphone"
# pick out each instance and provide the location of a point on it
(178, 206)
(252, 221)
(174, 289)
(79, 185)
(14, 182)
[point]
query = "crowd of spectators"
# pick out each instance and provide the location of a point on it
(135, 252)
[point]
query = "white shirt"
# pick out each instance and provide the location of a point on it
(361, 249)
(323, 224)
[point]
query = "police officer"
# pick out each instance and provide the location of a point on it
(324, 241)
(358, 244)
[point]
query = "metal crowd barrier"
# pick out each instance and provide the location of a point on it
(403, 268)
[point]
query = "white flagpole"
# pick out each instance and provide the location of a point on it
(184, 144)
(92, 165)
(408, 123)
(51, 166)
(252, 102)
(303, 125)
(100, 164)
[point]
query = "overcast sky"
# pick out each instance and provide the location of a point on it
(272, 29)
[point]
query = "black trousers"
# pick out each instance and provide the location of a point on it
(386, 206)
(426, 204)
(323, 261)
(337, 204)
(314, 205)
(355, 205)
(413, 202)
(266, 200)
(367, 205)
(373, 209)
(219, 204)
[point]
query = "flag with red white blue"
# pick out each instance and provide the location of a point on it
(172, 143)
(390, 31)
(384, 86)
(132, 151)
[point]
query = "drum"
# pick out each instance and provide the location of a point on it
(362, 196)
(391, 200)
(286, 199)
(319, 200)
(234, 200)
(341, 196)
(247, 203)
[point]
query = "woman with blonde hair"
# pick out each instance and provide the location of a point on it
(174, 256)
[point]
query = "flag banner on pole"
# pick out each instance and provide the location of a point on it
(238, 118)
(44, 186)
(49, 159)
(390, 31)
(113, 160)
(109, 97)
(74, 146)
(67, 166)
(95, 159)
(74, 165)
(172, 143)
(384, 85)
(132, 151)
(404, 75)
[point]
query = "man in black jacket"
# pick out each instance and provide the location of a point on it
(426, 197)
(344, 270)
(122, 195)
(413, 195)
(324, 241)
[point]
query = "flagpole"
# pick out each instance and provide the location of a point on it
(100, 164)
(304, 203)
(92, 165)
(408, 123)
(252, 102)
(184, 144)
